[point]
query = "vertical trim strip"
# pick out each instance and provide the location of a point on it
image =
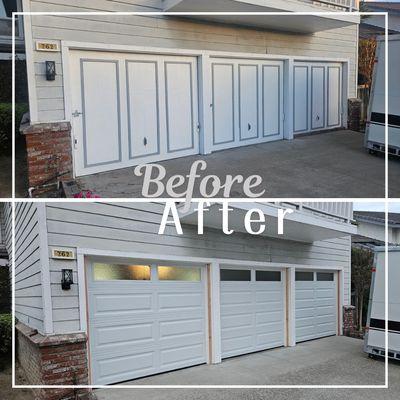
(45, 269)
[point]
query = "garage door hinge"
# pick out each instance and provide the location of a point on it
(75, 143)
(198, 128)
(283, 117)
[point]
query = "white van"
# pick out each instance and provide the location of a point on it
(375, 130)
(374, 341)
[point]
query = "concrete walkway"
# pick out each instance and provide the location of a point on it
(328, 361)
(333, 164)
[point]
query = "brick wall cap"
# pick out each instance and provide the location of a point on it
(28, 129)
(349, 308)
(52, 340)
(354, 100)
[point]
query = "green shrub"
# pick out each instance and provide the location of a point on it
(5, 333)
(6, 123)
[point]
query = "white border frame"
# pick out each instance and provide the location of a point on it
(386, 202)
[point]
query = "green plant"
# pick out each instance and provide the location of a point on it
(6, 123)
(5, 333)
(361, 267)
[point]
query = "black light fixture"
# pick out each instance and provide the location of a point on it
(50, 70)
(67, 279)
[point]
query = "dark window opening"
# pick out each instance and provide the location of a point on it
(268, 276)
(235, 275)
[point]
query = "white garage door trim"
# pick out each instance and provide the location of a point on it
(316, 304)
(246, 317)
(144, 120)
(165, 338)
(243, 110)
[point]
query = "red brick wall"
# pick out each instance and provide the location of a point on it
(49, 153)
(53, 360)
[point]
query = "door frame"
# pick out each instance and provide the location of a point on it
(204, 82)
(213, 291)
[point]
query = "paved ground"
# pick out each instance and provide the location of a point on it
(6, 391)
(333, 164)
(329, 361)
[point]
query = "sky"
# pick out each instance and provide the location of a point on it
(394, 207)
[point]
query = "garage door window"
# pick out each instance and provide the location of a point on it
(118, 272)
(235, 275)
(268, 276)
(179, 274)
(325, 276)
(305, 276)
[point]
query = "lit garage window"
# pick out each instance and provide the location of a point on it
(118, 272)
(235, 275)
(305, 276)
(179, 274)
(325, 276)
(268, 276)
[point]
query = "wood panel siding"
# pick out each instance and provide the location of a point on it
(168, 32)
(133, 227)
(28, 280)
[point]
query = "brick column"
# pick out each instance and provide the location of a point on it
(354, 114)
(54, 360)
(349, 320)
(49, 152)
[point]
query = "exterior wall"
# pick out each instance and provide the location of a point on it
(133, 227)
(28, 275)
(377, 232)
(163, 32)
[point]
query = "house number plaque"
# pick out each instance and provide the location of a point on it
(63, 254)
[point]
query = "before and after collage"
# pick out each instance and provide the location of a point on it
(199, 199)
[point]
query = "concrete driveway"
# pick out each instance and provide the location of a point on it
(333, 164)
(328, 361)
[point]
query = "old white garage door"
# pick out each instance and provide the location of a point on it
(144, 320)
(316, 305)
(247, 102)
(129, 109)
(252, 310)
(317, 95)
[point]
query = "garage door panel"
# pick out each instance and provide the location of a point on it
(334, 94)
(179, 106)
(317, 97)
(105, 304)
(101, 131)
(124, 367)
(183, 327)
(248, 101)
(123, 334)
(158, 325)
(271, 87)
(181, 356)
(223, 103)
(300, 99)
(143, 108)
(252, 314)
(316, 306)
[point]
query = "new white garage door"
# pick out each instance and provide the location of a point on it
(316, 305)
(144, 320)
(129, 109)
(247, 102)
(317, 96)
(252, 311)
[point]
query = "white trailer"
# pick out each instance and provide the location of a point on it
(374, 341)
(375, 129)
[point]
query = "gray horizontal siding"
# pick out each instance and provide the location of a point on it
(166, 32)
(28, 287)
(133, 227)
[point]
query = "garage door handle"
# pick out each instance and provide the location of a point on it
(249, 127)
(317, 118)
(145, 141)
